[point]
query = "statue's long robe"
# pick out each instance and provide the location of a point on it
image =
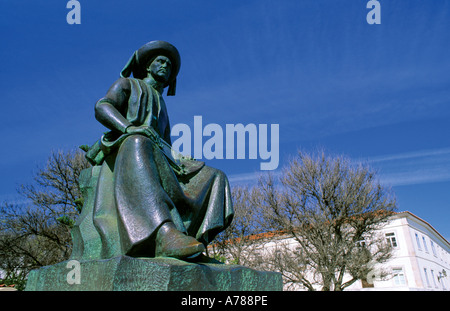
(138, 190)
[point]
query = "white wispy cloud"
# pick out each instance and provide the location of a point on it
(410, 168)
(429, 153)
(252, 177)
(401, 169)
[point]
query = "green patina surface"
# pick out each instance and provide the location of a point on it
(125, 273)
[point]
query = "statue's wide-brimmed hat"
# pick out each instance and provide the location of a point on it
(139, 61)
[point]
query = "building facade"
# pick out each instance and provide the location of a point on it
(421, 257)
(420, 261)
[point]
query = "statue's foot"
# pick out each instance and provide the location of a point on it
(170, 242)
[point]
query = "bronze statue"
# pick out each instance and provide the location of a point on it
(151, 201)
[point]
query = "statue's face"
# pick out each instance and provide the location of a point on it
(160, 68)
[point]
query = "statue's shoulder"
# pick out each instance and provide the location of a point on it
(133, 87)
(124, 82)
(132, 83)
(121, 85)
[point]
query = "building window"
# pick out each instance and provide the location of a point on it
(425, 244)
(433, 248)
(398, 277)
(426, 277)
(441, 278)
(418, 242)
(391, 239)
(434, 280)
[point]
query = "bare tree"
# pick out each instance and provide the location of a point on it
(37, 233)
(237, 244)
(331, 208)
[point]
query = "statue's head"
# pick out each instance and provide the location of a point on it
(159, 58)
(160, 68)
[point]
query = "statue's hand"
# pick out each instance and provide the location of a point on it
(142, 129)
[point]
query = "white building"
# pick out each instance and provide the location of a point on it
(421, 258)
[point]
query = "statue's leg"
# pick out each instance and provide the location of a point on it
(143, 204)
(105, 211)
(212, 208)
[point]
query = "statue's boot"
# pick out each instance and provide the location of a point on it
(170, 242)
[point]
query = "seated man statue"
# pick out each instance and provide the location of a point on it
(151, 201)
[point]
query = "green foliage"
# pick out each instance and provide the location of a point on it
(85, 148)
(66, 220)
(19, 281)
(219, 257)
(79, 204)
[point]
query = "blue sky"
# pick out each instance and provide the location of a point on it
(376, 93)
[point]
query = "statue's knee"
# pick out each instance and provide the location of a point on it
(218, 174)
(137, 141)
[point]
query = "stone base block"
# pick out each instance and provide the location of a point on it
(125, 273)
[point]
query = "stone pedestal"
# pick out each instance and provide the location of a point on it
(125, 273)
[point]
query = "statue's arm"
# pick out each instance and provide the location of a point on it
(111, 109)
